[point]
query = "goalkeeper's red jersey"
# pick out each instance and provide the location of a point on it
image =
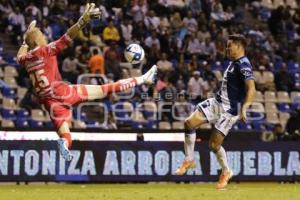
(41, 65)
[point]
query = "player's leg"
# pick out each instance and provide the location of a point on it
(60, 115)
(215, 145)
(221, 129)
(98, 92)
(65, 141)
(206, 112)
(196, 119)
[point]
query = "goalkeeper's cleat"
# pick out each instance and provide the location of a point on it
(187, 164)
(63, 149)
(150, 76)
(223, 179)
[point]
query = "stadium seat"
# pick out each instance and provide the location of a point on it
(36, 124)
(277, 64)
(136, 125)
(7, 123)
(295, 96)
(21, 123)
(293, 67)
(137, 116)
(257, 107)
(235, 127)
(270, 96)
(271, 107)
(272, 118)
(127, 106)
(22, 114)
(122, 117)
(150, 125)
(243, 126)
(294, 106)
(259, 97)
(164, 126)
(8, 114)
(10, 81)
(258, 125)
(267, 77)
(37, 115)
(283, 117)
(296, 76)
(256, 112)
(9, 93)
(79, 115)
(79, 124)
(92, 124)
(49, 124)
(283, 97)
(10, 71)
(178, 125)
(9, 103)
(123, 112)
(150, 110)
(21, 91)
(284, 107)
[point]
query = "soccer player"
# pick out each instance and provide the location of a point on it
(224, 110)
(39, 59)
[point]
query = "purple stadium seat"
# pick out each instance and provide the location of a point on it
(21, 123)
(284, 107)
(23, 114)
(9, 93)
(8, 114)
(36, 124)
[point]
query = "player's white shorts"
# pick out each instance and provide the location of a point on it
(215, 113)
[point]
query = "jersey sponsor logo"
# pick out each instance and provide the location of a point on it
(246, 72)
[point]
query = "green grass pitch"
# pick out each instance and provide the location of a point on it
(243, 191)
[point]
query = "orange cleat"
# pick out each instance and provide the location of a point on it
(223, 179)
(187, 164)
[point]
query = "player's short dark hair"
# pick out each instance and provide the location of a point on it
(95, 51)
(239, 38)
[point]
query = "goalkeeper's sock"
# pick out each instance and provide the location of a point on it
(68, 138)
(189, 144)
(222, 159)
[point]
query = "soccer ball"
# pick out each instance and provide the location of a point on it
(134, 53)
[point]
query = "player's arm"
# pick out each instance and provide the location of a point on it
(24, 47)
(250, 94)
(89, 13)
(57, 46)
(22, 51)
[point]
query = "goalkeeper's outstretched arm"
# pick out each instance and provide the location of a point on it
(89, 13)
(24, 47)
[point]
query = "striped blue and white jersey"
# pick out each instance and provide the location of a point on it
(233, 92)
